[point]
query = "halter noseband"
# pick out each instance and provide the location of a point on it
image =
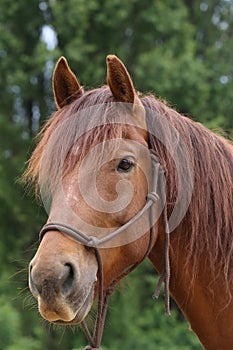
(95, 243)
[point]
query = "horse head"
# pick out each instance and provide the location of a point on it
(97, 185)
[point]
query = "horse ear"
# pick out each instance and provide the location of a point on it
(122, 88)
(66, 87)
(119, 80)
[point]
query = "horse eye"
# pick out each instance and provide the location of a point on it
(125, 165)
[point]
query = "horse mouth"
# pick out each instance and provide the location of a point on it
(82, 311)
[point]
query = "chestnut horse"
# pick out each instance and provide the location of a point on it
(121, 171)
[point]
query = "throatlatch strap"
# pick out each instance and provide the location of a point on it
(165, 277)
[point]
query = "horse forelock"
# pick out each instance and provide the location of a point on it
(208, 221)
(71, 131)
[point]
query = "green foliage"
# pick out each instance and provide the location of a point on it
(181, 50)
(9, 323)
(26, 344)
(11, 336)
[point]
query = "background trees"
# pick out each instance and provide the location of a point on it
(182, 50)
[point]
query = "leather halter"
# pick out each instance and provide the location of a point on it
(95, 243)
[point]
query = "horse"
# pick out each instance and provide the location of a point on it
(124, 177)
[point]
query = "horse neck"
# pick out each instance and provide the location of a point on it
(204, 302)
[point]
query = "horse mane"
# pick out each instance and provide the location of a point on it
(207, 225)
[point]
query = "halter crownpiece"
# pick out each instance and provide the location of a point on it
(95, 243)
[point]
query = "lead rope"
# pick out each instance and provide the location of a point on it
(95, 339)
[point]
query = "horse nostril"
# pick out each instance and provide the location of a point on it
(32, 285)
(51, 282)
(69, 278)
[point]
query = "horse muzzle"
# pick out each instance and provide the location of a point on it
(63, 285)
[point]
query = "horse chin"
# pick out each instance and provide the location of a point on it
(83, 310)
(68, 313)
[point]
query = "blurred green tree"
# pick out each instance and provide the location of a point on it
(181, 50)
